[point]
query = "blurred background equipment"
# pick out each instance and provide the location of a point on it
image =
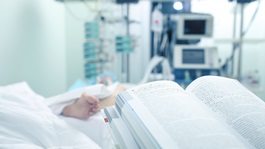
(191, 60)
(65, 51)
(176, 36)
(94, 55)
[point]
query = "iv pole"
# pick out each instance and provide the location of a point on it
(126, 56)
(240, 44)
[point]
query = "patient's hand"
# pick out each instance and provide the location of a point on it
(82, 108)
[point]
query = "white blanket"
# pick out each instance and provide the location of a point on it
(27, 122)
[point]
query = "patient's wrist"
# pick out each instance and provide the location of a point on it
(68, 110)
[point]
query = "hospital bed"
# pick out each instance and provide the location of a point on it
(27, 122)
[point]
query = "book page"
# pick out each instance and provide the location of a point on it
(235, 104)
(186, 121)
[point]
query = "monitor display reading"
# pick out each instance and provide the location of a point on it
(193, 56)
(195, 27)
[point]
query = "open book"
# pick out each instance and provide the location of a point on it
(212, 113)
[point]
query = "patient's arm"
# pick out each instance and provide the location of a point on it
(87, 105)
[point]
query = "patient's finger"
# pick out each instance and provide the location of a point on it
(90, 99)
(95, 108)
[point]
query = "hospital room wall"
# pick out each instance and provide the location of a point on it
(77, 13)
(32, 45)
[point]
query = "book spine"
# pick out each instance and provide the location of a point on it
(121, 100)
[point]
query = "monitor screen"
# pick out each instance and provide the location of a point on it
(193, 56)
(195, 27)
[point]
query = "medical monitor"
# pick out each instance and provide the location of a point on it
(194, 26)
(195, 57)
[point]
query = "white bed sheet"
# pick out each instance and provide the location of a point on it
(95, 128)
(26, 122)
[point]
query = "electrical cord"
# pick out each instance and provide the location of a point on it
(77, 18)
(90, 8)
(252, 18)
